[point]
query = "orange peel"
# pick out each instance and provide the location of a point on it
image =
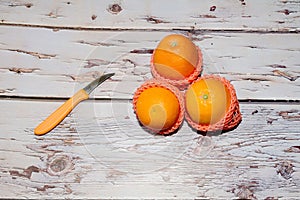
(154, 83)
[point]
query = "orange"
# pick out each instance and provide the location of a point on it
(175, 57)
(207, 100)
(157, 108)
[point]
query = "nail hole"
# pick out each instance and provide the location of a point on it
(212, 8)
(114, 8)
(94, 17)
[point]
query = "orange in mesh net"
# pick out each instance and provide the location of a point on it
(176, 60)
(211, 104)
(159, 106)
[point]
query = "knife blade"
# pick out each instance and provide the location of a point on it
(60, 113)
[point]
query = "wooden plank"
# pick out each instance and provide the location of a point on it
(257, 15)
(100, 151)
(45, 63)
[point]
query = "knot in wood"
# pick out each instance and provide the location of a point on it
(285, 169)
(60, 165)
(114, 8)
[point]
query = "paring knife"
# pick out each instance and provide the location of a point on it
(58, 115)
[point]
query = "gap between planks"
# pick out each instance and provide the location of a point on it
(106, 100)
(162, 29)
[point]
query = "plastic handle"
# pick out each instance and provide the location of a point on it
(57, 116)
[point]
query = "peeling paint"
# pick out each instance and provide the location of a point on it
(86, 77)
(246, 190)
(285, 75)
(207, 16)
(290, 114)
(277, 66)
(26, 172)
(96, 43)
(8, 90)
(142, 51)
(131, 62)
(155, 20)
(27, 5)
(68, 189)
(44, 188)
(293, 149)
(23, 70)
(96, 62)
(35, 54)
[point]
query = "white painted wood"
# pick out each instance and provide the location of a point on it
(43, 63)
(259, 15)
(50, 49)
(100, 151)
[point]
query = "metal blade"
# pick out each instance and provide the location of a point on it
(90, 87)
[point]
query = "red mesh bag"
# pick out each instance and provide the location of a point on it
(157, 83)
(232, 117)
(181, 84)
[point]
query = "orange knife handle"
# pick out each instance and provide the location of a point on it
(57, 116)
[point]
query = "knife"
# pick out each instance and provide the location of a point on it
(58, 115)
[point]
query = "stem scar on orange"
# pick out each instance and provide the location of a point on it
(157, 108)
(207, 100)
(175, 57)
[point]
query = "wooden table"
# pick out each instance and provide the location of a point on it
(50, 49)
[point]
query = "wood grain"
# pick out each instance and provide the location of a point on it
(260, 66)
(100, 151)
(51, 49)
(255, 15)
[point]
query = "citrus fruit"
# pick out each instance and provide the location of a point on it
(175, 57)
(207, 100)
(159, 107)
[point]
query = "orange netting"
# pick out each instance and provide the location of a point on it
(232, 117)
(157, 83)
(181, 84)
